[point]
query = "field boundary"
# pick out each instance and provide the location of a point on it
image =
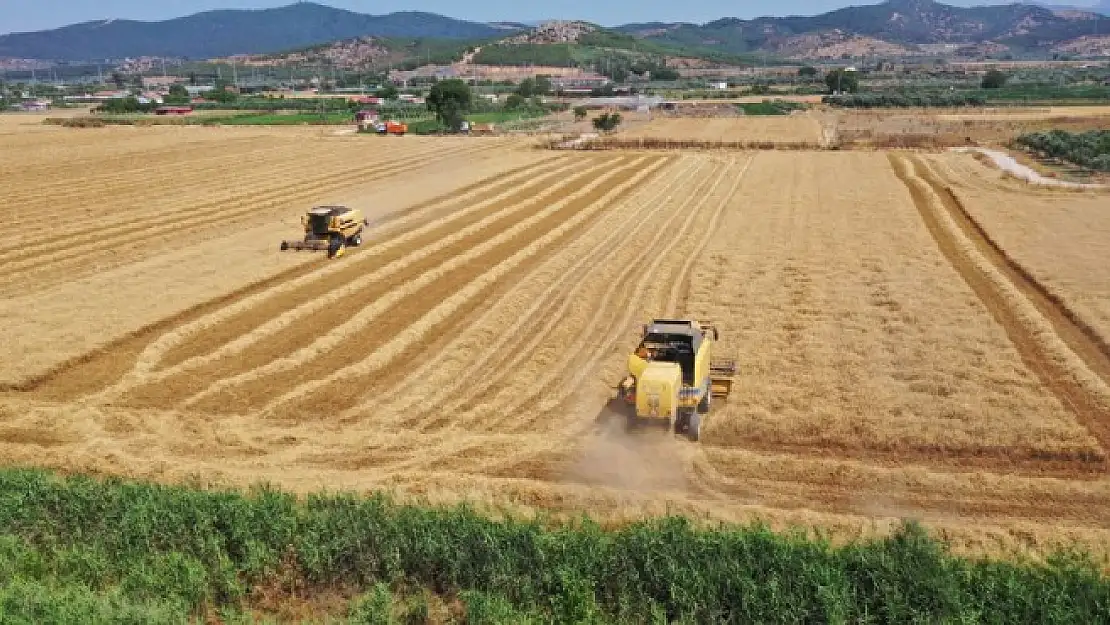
(1007, 293)
(651, 143)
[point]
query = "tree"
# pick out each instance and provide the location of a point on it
(994, 79)
(526, 88)
(542, 86)
(580, 113)
(514, 101)
(388, 92)
(807, 71)
(449, 100)
(118, 80)
(607, 121)
(842, 81)
(178, 95)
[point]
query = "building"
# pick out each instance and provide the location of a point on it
(34, 105)
(150, 82)
(173, 110)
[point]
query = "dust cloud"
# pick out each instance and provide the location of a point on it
(643, 459)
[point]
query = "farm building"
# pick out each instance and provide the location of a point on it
(173, 110)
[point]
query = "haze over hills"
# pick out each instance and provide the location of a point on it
(890, 28)
(227, 32)
(904, 23)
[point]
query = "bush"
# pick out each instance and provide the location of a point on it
(606, 122)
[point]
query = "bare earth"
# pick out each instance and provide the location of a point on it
(891, 364)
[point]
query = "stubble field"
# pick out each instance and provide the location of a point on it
(798, 128)
(892, 361)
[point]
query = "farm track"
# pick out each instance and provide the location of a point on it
(168, 341)
(157, 229)
(1056, 376)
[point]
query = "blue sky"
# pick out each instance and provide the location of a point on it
(27, 15)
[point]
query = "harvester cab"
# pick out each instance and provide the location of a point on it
(330, 228)
(672, 378)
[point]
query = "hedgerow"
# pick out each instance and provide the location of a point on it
(903, 100)
(125, 551)
(1089, 149)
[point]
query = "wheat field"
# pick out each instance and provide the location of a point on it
(797, 128)
(891, 363)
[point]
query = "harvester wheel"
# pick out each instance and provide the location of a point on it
(334, 245)
(356, 240)
(284, 245)
(693, 427)
(681, 422)
(703, 405)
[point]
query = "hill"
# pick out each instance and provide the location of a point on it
(227, 32)
(904, 23)
(1101, 8)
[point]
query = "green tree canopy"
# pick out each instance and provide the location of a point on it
(842, 81)
(607, 121)
(994, 79)
(449, 100)
(807, 71)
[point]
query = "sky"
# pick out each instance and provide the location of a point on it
(29, 15)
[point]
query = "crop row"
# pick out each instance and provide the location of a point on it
(124, 551)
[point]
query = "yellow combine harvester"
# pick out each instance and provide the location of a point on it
(330, 228)
(672, 378)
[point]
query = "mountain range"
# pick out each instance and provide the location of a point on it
(892, 27)
(237, 31)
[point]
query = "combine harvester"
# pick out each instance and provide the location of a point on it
(672, 378)
(330, 228)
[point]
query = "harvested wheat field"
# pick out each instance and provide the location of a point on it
(797, 128)
(889, 366)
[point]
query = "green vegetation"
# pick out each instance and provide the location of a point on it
(120, 106)
(275, 119)
(83, 550)
(994, 79)
(527, 54)
(606, 122)
(1089, 149)
(771, 107)
(842, 81)
(906, 100)
(450, 101)
(1050, 94)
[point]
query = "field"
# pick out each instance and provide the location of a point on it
(797, 128)
(918, 336)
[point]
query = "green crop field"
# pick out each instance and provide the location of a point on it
(81, 550)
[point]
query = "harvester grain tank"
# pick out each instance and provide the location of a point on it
(672, 378)
(330, 228)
